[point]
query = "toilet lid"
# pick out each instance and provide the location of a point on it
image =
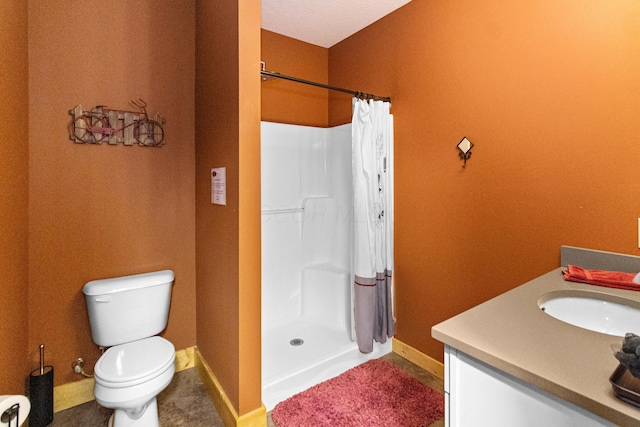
(127, 364)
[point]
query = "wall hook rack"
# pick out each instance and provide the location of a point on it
(116, 126)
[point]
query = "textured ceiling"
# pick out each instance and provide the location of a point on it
(323, 22)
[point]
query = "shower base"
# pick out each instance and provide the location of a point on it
(290, 366)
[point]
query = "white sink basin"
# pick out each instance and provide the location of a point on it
(595, 311)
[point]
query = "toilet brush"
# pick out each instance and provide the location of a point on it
(41, 394)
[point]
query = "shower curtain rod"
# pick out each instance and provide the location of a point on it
(361, 95)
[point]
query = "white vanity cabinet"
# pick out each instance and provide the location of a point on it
(478, 395)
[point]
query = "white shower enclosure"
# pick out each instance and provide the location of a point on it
(307, 314)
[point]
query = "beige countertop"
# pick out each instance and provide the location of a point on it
(510, 332)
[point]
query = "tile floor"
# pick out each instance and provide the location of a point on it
(186, 402)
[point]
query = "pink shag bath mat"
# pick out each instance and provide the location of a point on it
(376, 393)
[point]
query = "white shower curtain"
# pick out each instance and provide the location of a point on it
(372, 145)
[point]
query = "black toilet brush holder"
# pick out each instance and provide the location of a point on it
(41, 394)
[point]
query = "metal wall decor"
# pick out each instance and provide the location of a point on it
(114, 126)
(465, 147)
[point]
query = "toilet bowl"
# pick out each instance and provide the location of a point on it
(125, 315)
(130, 376)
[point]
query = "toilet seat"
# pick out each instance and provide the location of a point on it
(129, 364)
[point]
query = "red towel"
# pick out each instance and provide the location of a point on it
(610, 279)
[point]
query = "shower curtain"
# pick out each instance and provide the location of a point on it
(372, 163)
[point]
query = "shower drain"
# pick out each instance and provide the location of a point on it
(296, 341)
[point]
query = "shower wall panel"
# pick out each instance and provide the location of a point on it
(306, 198)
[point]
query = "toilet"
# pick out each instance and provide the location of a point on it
(125, 315)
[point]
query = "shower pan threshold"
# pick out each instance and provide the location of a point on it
(288, 369)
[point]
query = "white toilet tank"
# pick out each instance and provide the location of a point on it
(129, 308)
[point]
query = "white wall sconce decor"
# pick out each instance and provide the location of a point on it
(465, 147)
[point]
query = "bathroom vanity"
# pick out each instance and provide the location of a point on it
(508, 363)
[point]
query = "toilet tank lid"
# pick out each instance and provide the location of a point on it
(136, 281)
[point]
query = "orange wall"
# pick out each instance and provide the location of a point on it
(549, 94)
(289, 102)
(250, 219)
(228, 237)
(14, 185)
(99, 211)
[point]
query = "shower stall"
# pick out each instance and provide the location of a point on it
(307, 297)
